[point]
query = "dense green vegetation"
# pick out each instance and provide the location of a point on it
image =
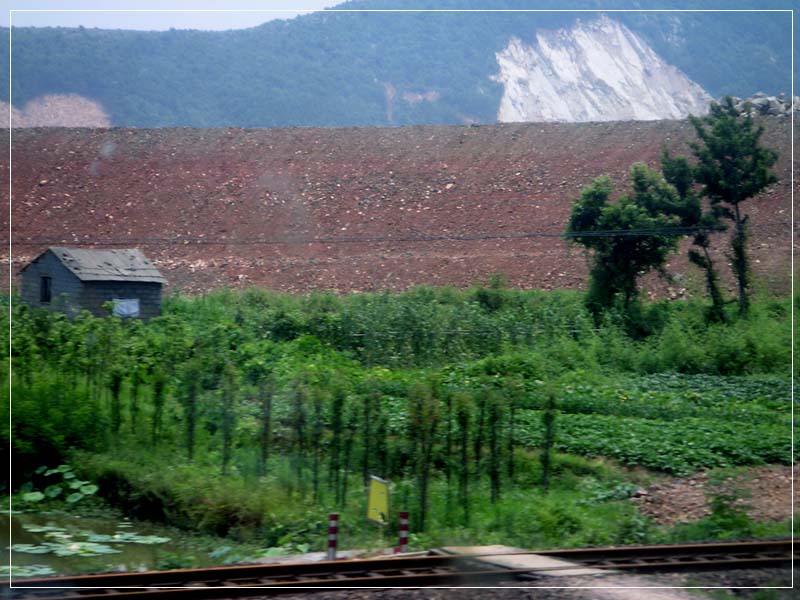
(329, 69)
(252, 414)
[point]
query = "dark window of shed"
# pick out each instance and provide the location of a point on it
(46, 290)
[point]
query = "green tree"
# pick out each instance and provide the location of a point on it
(319, 398)
(349, 424)
(629, 237)
(336, 448)
(190, 392)
(371, 400)
(514, 391)
(266, 390)
(159, 395)
(732, 167)
(463, 407)
(679, 173)
(495, 407)
(115, 381)
(549, 438)
(423, 418)
(299, 423)
(228, 413)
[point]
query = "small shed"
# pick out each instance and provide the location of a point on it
(73, 279)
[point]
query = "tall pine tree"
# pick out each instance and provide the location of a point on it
(732, 167)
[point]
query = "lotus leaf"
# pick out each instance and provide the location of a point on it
(28, 570)
(88, 490)
(31, 548)
(74, 497)
(66, 548)
(221, 551)
(83, 549)
(41, 528)
(151, 539)
(52, 491)
(276, 551)
(33, 497)
(82, 532)
(127, 537)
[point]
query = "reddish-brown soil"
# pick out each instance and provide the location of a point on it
(215, 193)
(765, 493)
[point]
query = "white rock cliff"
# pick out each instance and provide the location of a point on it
(596, 71)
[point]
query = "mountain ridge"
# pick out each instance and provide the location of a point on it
(334, 68)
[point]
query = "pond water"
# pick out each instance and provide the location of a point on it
(55, 543)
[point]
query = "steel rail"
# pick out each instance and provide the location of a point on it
(713, 555)
(254, 571)
(227, 583)
(227, 589)
(420, 571)
(777, 545)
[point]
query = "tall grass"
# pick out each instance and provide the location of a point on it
(431, 327)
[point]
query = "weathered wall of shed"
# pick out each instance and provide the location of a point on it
(66, 287)
(97, 293)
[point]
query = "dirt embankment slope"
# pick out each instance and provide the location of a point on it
(201, 203)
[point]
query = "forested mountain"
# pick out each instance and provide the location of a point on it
(359, 68)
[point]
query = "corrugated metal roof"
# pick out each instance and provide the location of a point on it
(108, 265)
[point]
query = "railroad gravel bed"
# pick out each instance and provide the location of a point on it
(669, 586)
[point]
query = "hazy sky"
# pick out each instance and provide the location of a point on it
(99, 13)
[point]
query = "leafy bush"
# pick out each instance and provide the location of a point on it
(49, 418)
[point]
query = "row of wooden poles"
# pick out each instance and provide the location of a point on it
(333, 533)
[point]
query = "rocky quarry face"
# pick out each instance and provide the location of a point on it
(597, 71)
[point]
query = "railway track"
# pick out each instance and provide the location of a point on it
(437, 569)
(723, 555)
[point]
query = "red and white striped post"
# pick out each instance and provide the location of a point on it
(333, 531)
(403, 531)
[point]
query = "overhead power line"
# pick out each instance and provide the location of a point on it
(663, 231)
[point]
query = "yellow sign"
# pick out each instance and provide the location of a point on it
(378, 501)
